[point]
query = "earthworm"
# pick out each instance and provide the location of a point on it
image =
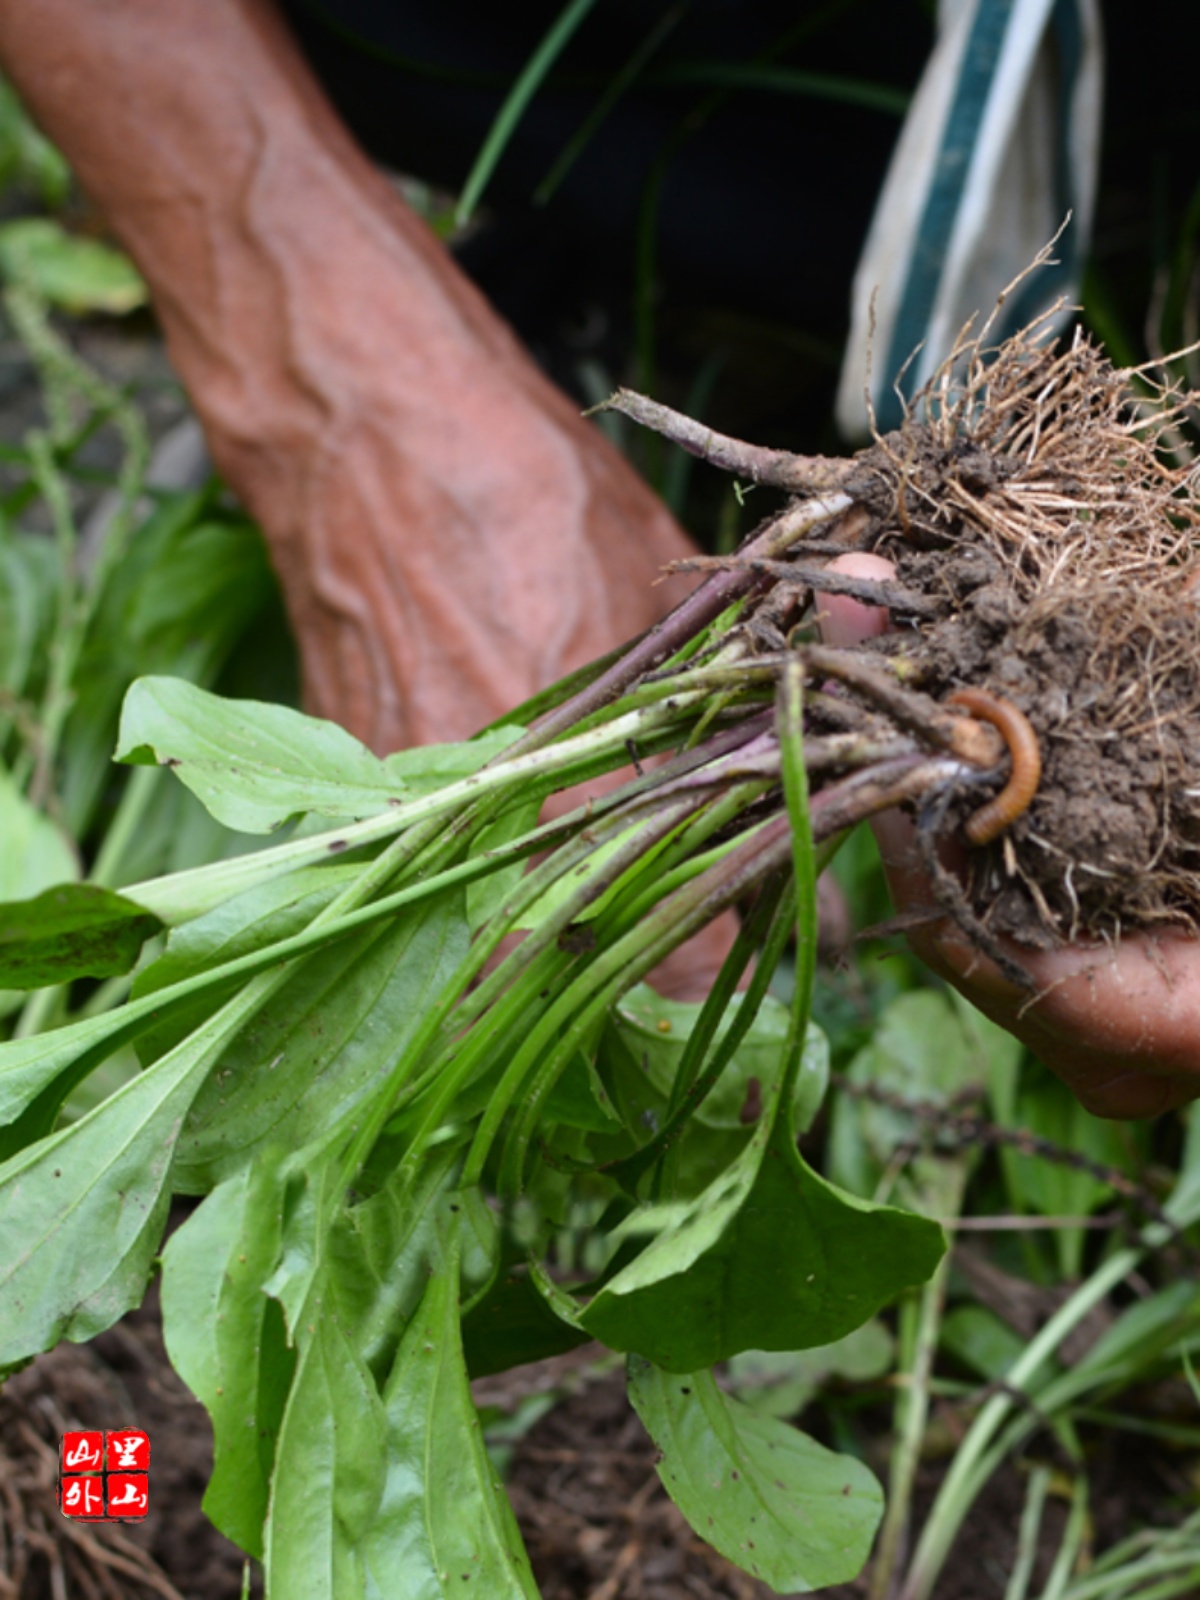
(991, 820)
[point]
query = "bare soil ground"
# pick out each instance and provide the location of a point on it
(595, 1518)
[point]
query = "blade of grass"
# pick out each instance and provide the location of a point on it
(614, 89)
(510, 113)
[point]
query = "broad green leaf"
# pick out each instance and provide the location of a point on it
(35, 854)
(367, 1262)
(186, 591)
(378, 1254)
(226, 1340)
(654, 1032)
(29, 1066)
(76, 275)
(84, 1208)
(330, 1468)
(72, 931)
(779, 1505)
(780, 1383)
(255, 766)
(320, 1044)
(769, 1257)
(444, 1521)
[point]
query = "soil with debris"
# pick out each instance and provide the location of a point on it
(596, 1520)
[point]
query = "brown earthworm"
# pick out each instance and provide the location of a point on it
(991, 820)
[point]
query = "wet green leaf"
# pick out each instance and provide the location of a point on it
(770, 1499)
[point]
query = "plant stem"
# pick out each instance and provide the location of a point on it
(778, 468)
(1027, 1534)
(679, 628)
(183, 895)
(913, 1407)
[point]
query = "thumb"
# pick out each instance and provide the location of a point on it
(843, 620)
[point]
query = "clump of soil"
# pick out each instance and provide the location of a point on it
(1038, 506)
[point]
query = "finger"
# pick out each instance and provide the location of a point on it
(844, 621)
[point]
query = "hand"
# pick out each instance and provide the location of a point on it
(1121, 1027)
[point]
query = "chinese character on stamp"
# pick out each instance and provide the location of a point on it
(104, 1476)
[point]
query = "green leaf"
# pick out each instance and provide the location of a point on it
(769, 1257)
(330, 1470)
(76, 275)
(29, 1066)
(35, 854)
(378, 1254)
(780, 1383)
(779, 1505)
(253, 920)
(28, 585)
(654, 1032)
(26, 156)
(73, 931)
(226, 1340)
(322, 1041)
(255, 766)
(515, 1322)
(184, 593)
(84, 1208)
(981, 1341)
(444, 1522)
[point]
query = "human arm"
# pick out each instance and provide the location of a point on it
(450, 535)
